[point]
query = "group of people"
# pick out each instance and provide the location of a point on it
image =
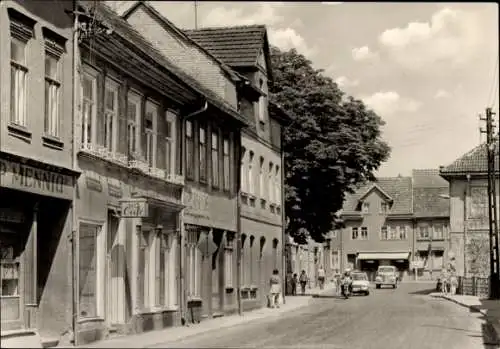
(303, 280)
(448, 281)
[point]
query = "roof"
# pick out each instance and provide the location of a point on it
(398, 188)
(473, 162)
(428, 178)
(377, 187)
(431, 202)
(237, 46)
(122, 28)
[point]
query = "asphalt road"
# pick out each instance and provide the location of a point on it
(404, 318)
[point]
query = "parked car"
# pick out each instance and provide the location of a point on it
(386, 275)
(360, 283)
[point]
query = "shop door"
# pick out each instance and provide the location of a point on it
(116, 305)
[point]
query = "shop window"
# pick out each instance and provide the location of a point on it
(228, 261)
(144, 267)
(134, 123)
(10, 281)
(161, 269)
(193, 264)
(90, 283)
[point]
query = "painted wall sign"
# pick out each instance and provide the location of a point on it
(137, 208)
(27, 178)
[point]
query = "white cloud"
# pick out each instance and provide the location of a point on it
(343, 81)
(363, 54)
(451, 35)
(221, 16)
(442, 94)
(288, 38)
(389, 102)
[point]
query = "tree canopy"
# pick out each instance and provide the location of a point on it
(333, 143)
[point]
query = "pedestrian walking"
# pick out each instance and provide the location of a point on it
(295, 281)
(321, 277)
(303, 279)
(275, 290)
(338, 283)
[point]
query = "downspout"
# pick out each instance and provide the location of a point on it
(466, 192)
(74, 231)
(182, 239)
(238, 225)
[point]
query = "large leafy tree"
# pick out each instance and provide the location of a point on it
(333, 143)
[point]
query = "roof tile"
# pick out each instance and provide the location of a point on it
(474, 161)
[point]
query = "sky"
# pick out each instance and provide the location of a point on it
(428, 69)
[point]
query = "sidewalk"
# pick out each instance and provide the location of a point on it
(490, 309)
(172, 334)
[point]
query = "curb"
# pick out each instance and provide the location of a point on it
(495, 323)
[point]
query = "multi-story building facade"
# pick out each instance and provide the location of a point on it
(431, 217)
(245, 49)
(400, 221)
(210, 219)
(469, 223)
(144, 126)
(36, 176)
(378, 225)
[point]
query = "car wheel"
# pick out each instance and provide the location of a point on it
(394, 286)
(377, 286)
(367, 293)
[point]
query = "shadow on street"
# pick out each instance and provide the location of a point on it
(424, 292)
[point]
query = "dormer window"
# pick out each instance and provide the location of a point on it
(365, 207)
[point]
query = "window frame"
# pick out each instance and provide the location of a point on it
(243, 170)
(150, 156)
(228, 263)
(226, 157)
(202, 153)
(363, 236)
(189, 142)
(251, 179)
(52, 119)
(271, 182)
(110, 117)
(365, 207)
(135, 98)
(262, 181)
(215, 150)
(384, 230)
(20, 97)
(277, 181)
(89, 140)
(171, 140)
(354, 233)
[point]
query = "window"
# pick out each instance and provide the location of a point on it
(354, 233)
(89, 109)
(10, 299)
(228, 261)
(170, 143)
(262, 183)
(52, 90)
(402, 233)
(203, 154)
(366, 207)
(252, 280)
(193, 264)
(384, 207)
(438, 232)
(271, 183)
(150, 130)
(133, 123)
(275, 253)
(189, 150)
(364, 233)
(243, 171)
(393, 233)
(160, 270)
(144, 266)
(383, 233)
(262, 109)
(277, 191)
(225, 164)
(110, 115)
(251, 179)
(244, 261)
(215, 159)
(89, 270)
(18, 75)
(423, 232)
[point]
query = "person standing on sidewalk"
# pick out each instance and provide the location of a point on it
(321, 277)
(295, 281)
(275, 291)
(303, 279)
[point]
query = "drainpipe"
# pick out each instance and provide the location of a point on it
(74, 231)
(181, 230)
(238, 225)
(467, 190)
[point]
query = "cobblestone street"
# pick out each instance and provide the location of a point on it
(403, 318)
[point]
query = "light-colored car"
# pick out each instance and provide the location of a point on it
(386, 275)
(360, 283)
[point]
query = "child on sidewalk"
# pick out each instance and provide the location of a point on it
(275, 291)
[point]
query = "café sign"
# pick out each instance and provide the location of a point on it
(134, 208)
(36, 180)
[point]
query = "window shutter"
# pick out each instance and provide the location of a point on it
(100, 125)
(122, 121)
(160, 142)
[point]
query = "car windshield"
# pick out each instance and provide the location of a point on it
(359, 276)
(386, 270)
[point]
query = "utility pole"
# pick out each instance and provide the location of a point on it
(492, 206)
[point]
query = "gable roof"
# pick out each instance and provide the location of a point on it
(398, 188)
(123, 29)
(237, 46)
(429, 202)
(428, 178)
(375, 187)
(473, 162)
(236, 77)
